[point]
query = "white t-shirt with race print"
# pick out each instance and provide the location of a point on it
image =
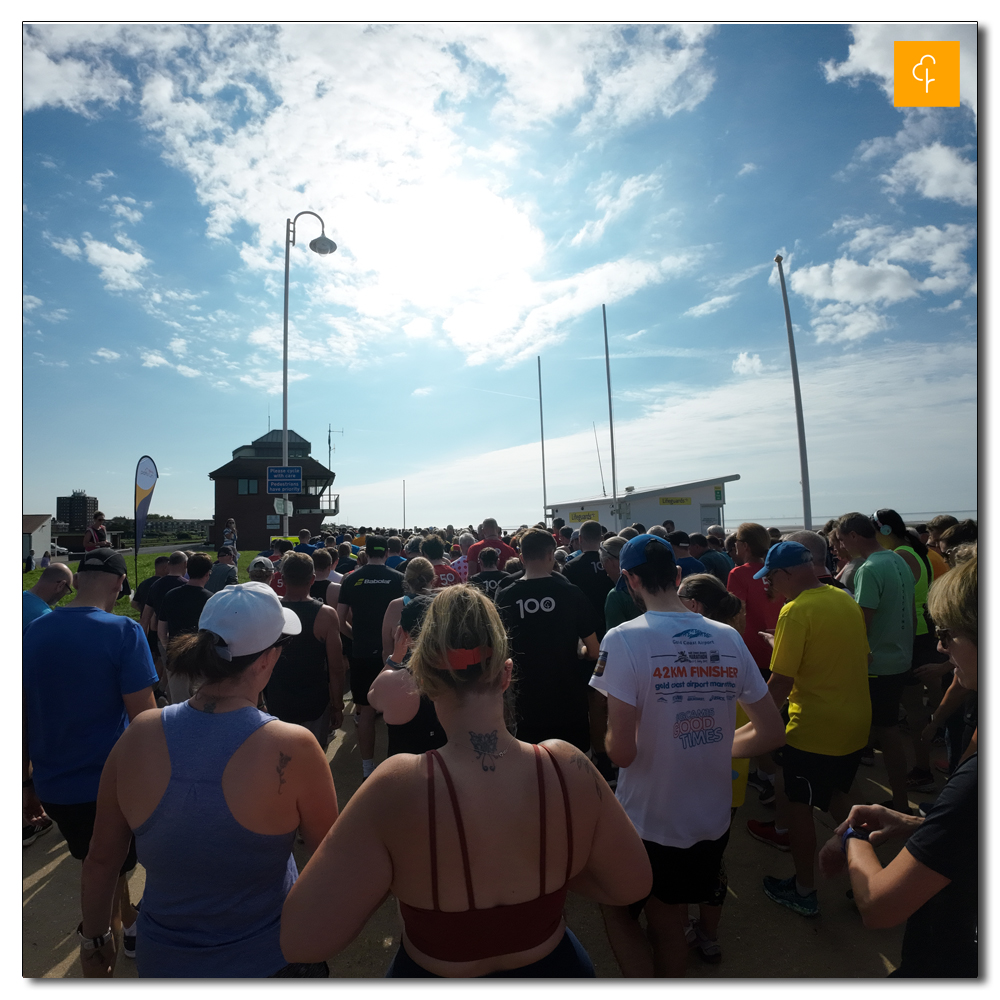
(684, 674)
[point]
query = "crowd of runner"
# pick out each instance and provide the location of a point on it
(567, 708)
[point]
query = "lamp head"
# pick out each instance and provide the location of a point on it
(322, 245)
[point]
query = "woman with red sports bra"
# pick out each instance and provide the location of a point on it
(480, 840)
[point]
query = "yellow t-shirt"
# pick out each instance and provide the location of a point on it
(938, 563)
(820, 642)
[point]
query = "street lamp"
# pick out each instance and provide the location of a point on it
(322, 245)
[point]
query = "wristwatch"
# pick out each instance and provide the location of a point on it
(856, 834)
(93, 944)
(390, 662)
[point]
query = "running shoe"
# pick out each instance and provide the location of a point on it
(783, 891)
(767, 834)
(31, 832)
(754, 780)
(707, 947)
(868, 757)
(919, 780)
(766, 797)
(946, 769)
(128, 937)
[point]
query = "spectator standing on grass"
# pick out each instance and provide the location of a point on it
(29, 561)
(86, 673)
(224, 572)
(96, 536)
(231, 538)
(45, 560)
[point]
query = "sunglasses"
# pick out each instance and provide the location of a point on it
(943, 635)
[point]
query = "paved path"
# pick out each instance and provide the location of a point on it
(759, 938)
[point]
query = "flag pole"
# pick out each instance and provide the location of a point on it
(541, 422)
(803, 462)
(611, 421)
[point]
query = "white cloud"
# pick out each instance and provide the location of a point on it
(188, 372)
(119, 269)
(124, 208)
(56, 315)
(270, 381)
(725, 284)
(179, 346)
(419, 328)
(714, 304)
(614, 206)
(153, 359)
(747, 364)
(423, 391)
(950, 307)
(97, 181)
(871, 54)
(936, 171)
(634, 336)
(848, 281)
(108, 355)
(747, 168)
(428, 230)
(30, 302)
(68, 246)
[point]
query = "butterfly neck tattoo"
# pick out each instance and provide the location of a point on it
(484, 746)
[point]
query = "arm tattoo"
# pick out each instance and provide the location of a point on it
(282, 764)
(584, 765)
(485, 746)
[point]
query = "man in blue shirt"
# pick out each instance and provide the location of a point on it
(86, 673)
(55, 582)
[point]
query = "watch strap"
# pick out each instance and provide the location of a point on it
(93, 944)
(850, 833)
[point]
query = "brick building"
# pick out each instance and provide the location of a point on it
(241, 492)
(77, 511)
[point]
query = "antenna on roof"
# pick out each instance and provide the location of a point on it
(268, 418)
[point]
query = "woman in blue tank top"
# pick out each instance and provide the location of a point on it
(214, 791)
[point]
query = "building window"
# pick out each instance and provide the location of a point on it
(247, 486)
(273, 522)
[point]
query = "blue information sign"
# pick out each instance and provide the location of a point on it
(284, 479)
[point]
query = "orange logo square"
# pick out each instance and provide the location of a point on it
(926, 75)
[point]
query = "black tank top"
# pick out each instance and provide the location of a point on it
(319, 589)
(298, 690)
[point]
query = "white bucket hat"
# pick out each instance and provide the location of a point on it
(247, 618)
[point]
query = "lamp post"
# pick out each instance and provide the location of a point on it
(803, 463)
(321, 245)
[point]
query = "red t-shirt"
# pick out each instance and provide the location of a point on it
(506, 552)
(446, 576)
(278, 583)
(761, 613)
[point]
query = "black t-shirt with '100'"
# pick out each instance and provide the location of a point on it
(368, 592)
(941, 938)
(589, 575)
(544, 619)
(490, 581)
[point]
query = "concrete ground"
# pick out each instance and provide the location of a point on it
(759, 938)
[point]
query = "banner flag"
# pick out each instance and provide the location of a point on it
(145, 479)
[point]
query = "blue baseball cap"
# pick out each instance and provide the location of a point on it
(784, 555)
(633, 552)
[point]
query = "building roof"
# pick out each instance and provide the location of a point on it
(30, 523)
(648, 491)
(240, 468)
(274, 437)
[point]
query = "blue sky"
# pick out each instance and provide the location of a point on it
(490, 186)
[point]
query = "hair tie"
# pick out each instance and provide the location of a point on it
(221, 646)
(462, 659)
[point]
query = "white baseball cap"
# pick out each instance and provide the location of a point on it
(247, 618)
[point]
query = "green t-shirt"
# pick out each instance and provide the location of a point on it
(619, 607)
(884, 583)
